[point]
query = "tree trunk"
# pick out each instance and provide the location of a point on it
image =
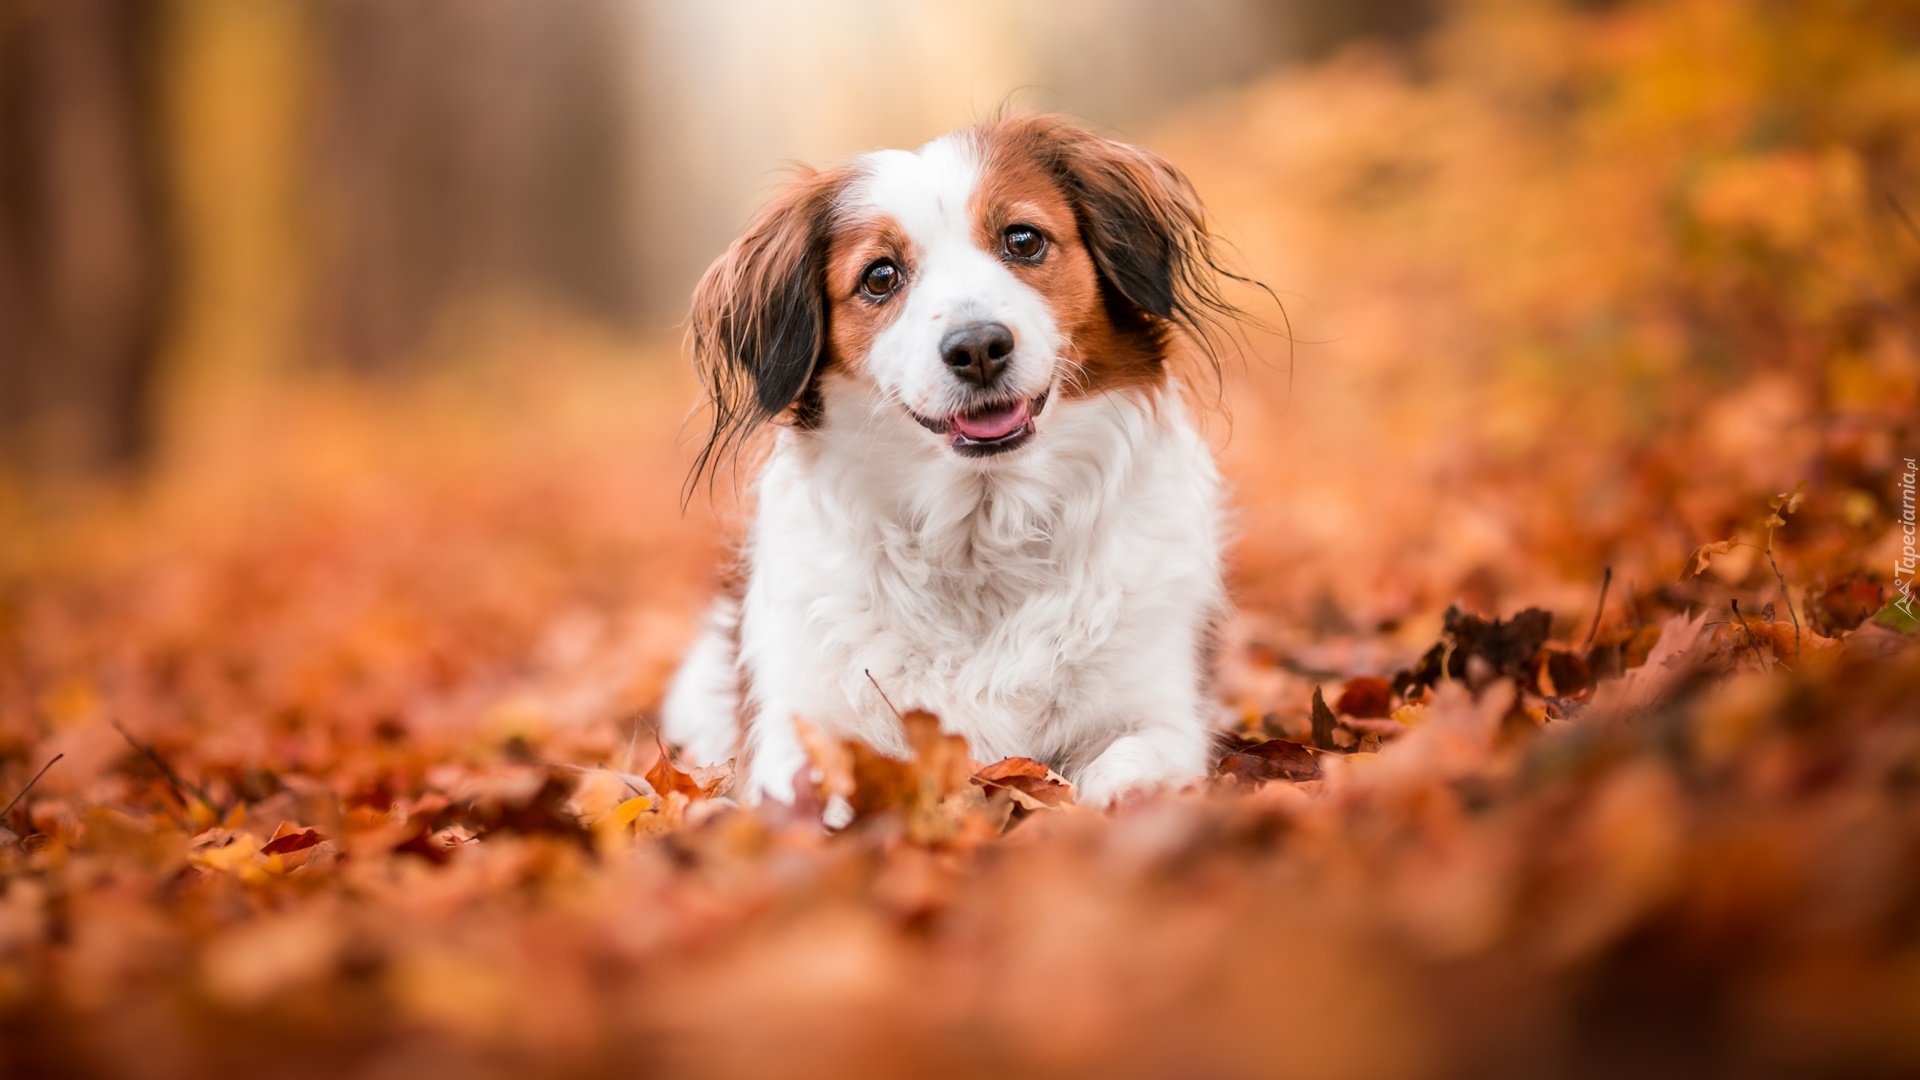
(86, 257)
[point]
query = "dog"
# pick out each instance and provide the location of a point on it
(985, 496)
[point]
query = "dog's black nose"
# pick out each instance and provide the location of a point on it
(978, 351)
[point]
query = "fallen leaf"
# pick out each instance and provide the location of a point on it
(1323, 722)
(1032, 785)
(287, 839)
(1275, 759)
(1367, 697)
(1702, 558)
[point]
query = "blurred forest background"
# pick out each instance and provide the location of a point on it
(198, 194)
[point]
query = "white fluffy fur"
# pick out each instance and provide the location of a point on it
(1052, 602)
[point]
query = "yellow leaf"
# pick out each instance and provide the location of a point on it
(630, 810)
(1410, 715)
(201, 816)
(1702, 557)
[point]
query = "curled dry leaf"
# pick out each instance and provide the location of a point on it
(289, 838)
(1031, 785)
(1322, 722)
(1275, 759)
(1702, 558)
(668, 778)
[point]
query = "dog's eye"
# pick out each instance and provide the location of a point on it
(880, 279)
(1024, 241)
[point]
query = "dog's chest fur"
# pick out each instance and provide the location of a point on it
(1030, 608)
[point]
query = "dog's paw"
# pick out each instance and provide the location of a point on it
(1130, 765)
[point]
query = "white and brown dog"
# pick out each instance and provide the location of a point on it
(987, 497)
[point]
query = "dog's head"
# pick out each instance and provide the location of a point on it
(959, 287)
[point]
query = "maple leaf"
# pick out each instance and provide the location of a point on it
(667, 778)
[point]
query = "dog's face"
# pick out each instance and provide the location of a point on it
(959, 288)
(955, 297)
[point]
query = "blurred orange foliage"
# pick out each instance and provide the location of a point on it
(355, 697)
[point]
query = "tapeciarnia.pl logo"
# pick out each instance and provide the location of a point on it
(1904, 566)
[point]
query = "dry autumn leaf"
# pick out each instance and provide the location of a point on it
(1702, 558)
(1367, 697)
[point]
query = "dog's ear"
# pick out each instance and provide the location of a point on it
(759, 319)
(1141, 221)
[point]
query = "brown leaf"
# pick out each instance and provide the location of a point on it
(1562, 674)
(1032, 784)
(531, 803)
(288, 839)
(931, 789)
(1367, 697)
(1323, 722)
(1846, 604)
(1424, 674)
(1507, 645)
(1275, 759)
(829, 757)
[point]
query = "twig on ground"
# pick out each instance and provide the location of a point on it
(1787, 594)
(1598, 609)
(883, 693)
(1753, 640)
(181, 789)
(1901, 211)
(29, 787)
(1639, 624)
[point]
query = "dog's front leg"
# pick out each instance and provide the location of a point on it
(776, 755)
(1145, 758)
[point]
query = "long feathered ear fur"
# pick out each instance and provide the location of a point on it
(1143, 224)
(759, 319)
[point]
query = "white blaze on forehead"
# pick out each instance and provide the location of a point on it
(951, 280)
(926, 190)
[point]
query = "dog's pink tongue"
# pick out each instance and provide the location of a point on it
(995, 424)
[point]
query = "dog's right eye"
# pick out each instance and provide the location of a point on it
(881, 279)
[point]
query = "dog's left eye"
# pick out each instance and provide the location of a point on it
(1024, 241)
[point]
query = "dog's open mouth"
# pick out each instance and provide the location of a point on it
(992, 428)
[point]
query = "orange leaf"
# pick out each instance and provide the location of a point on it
(286, 840)
(1702, 557)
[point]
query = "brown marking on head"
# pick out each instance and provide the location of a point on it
(854, 319)
(1017, 189)
(1132, 257)
(759, 324)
